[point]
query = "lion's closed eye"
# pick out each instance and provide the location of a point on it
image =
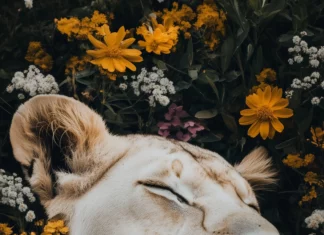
(163, 190)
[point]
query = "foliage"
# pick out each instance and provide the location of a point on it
(185, 70)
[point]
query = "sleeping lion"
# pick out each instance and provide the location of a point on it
(136, 184)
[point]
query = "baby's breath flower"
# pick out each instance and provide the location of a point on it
(296, 40)
(30, 216)
(315, 100)
(29, 4)
(314, 63)
(315, 219)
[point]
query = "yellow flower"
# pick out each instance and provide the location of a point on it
(55, 227)
(113, 55)
(5, 230)
(80, 29)
(317, 137)
(211, 20)
(261, 86)
(309, 158)
(74, 64)
(160, 38)
(267, 75)
(265, 109)
(295, 161)
(309, 196)
(36, 54)
(180, 17)
(313, 179)
(68, 26)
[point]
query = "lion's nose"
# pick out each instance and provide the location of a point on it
(249, 224)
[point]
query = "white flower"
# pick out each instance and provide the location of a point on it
(303, 33)
(315, 219)
(164, 100)
(298, 59)
(322, 85)
(12, 203)
(21, 96)
(22, 207)
(296, 39)
(291, 49)
(314, 63)
(291, 61)
(30, 216)
(29, 4)
(12, 194)
(307, 79)
(19, 200)
(297, 49)
(303, 44)
(33, 82)
(10, 88)
(125, 78)
(123, 86)
(160, 1)
(315, 100)
(320, 53)
(26, 190)
(315, 75)
(289, 94)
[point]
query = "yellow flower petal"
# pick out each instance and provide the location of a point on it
(264, 130)
(277, 125)
(248, 112)
(119, 65)
(96, 53)
(128, 64)
(126, 43)
(247, 120)
(254, 129)
(282, 103)
(96, 42)
(120, 35)
(267, 95)
(283, 113)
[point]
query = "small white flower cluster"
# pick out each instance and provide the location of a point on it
(301, 49)
(33, 82)
(289, 94)
(14, 194)
(315, 219)
(154, 84)
(307, 81)
(29, 4)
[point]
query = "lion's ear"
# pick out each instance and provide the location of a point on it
(258, 170)
(53, 133)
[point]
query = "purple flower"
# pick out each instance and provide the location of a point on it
(183, 137)
(193, 127)
(175, 111)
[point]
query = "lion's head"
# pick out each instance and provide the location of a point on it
(105, 184)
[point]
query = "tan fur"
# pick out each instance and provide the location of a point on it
(89, 152)
(257, 169)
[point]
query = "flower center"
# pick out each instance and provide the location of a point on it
(264, 113)
(113, 52)
(154, 45)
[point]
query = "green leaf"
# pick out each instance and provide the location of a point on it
(303, 118)
(4, 74)
(193, 74)
(84, 73)
(206, 114)
(229, 121)
(232, 75)
(208, 74)
(255, 4)
(285, 38)
(209, 138)
(182, 85)
(190, 51)
(227, 50)
(287, 143)
(273, 8)
(249, 52)
(160, 64)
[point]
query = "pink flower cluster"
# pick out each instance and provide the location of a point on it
(184, 131)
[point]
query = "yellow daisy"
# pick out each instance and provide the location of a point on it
(160, 38)
(114, 53)
(5, 230)
(265, 108)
